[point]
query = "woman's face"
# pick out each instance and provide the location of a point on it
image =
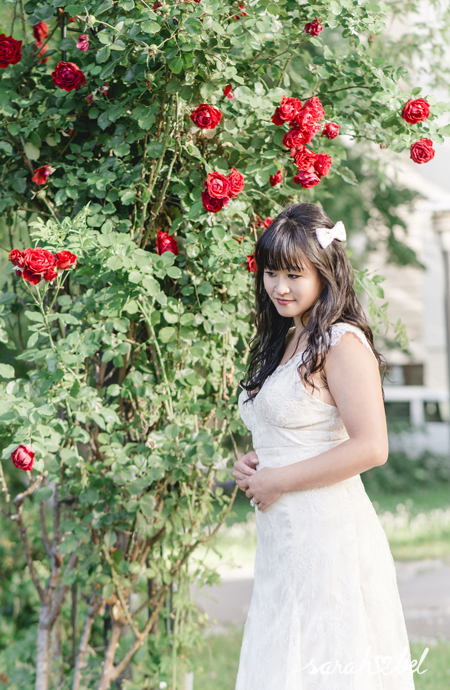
(293, 292)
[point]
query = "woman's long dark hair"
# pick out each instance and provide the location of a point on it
(290, 237)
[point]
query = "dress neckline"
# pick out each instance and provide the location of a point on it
(292, 359)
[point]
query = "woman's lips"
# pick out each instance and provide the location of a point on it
(284, 301)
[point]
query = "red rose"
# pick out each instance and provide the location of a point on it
(10, 51)
(16, 258)
(228, 91)
(38, 260)
(322, 164)
(65, 260)
(157, 5)
(166, 243)
(289, 108)
(236, 180)
(305, 159)
(313, 28)
(331, 130)
(251, 263)
(23, 458)
(43, 60)
(212, 204)
(277, 118)
(277, 178)
(50, 275)
(422, 151)
(416, 111)
(41, 174)
(267, 222)
(68, 76)
(307, 178)
(206, 116)
(83, 42)
(294, 138)
(218, 186)
(316, 108)
(306, 122)
(30, 276)
(40, 32)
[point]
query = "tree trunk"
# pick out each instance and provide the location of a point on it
(43, 651)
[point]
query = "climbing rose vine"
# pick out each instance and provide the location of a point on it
(145, 147)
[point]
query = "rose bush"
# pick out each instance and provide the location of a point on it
(126, 366)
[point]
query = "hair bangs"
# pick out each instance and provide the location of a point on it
(279, 249)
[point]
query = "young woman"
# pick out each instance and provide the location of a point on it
(325, 612)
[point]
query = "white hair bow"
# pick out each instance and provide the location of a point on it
(327, 235)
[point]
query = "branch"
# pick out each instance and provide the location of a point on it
(120, 593)
(142, 636)
(95, 603)
(62, 591)
(45, 539)
(18, 504)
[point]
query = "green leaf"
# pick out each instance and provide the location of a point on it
(167, 334)
(43, 494)
(193, 26)
(7, 371)
(150, 27)
(147, 505)
(176, 65)
(34, 316)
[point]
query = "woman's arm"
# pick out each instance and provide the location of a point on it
(354, 382)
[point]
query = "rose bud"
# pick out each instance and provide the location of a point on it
(23, 457)
(65, 260)
(422, 151)
(166, 243)
(16, 258)
(83, 43)
(43, 60)
(416, 111)
(228, 91)
(331, 130)
(277, 178)
(267, 222)
(89, 98)
(41, 174)
(206, 116)
(10, 51)
(40, 33)
(251, 263)
(313, 28)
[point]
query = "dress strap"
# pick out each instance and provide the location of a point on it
(338, 330)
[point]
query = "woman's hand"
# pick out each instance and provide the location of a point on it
(264, 487)
(244, 468)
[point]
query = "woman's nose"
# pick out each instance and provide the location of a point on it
(282, 287)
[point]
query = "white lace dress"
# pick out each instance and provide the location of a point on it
(325, 612)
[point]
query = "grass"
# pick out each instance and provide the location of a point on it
(216, 665)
